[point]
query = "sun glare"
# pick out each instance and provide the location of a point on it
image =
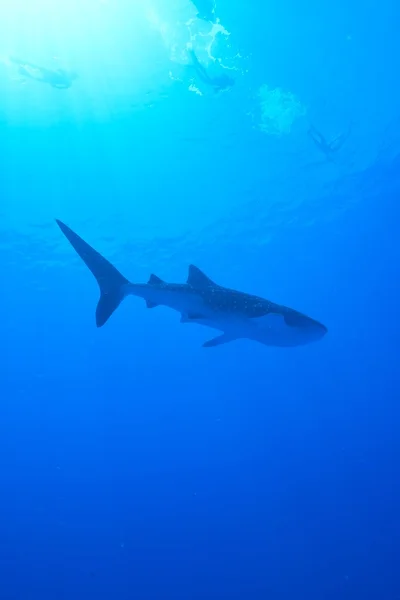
(68, 25)
(110, 45)
(109, 52)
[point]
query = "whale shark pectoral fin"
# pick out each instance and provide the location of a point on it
(221, 339)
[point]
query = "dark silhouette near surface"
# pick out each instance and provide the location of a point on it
(330, 149)
(57, 78)
(218, 83)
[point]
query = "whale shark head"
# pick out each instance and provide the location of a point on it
(287, 328)
(304, 328)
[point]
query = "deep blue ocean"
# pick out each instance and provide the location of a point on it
(261, 143)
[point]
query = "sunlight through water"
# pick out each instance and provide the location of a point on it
(111, 46)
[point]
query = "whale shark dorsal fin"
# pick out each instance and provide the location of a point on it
(153, 279)
(198, 279)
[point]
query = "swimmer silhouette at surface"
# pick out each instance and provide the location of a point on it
(206, 9)
(57, 78)
(218, 83)
(331, 148)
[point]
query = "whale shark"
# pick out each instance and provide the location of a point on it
(236, 315)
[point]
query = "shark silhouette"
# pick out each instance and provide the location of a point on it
(200, 300)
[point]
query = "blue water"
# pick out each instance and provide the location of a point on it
(136, 464)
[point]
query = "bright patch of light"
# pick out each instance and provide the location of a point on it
(110, 44)
(186, 32)
(67, 28)
(278, 110)
(181, 35)
(123, 52)
(193, 88)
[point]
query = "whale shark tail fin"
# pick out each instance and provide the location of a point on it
(111, 283)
